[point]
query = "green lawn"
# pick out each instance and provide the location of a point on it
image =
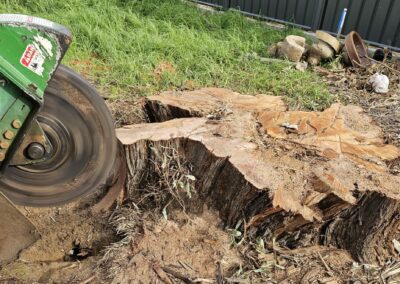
(140, 47)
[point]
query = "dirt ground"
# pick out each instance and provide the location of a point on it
(186, 247)
(194, 246)
(148, 244)
(48, 259)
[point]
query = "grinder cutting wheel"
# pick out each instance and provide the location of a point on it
(57, 140)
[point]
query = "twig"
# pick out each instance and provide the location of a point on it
(69, 266)
(203, 280)
(329, 270)
(358, 64)
(393, 270)
(186, 279)
(186, 266)
(178, 275)
(383, 64)
(382, 279)
(274, 251)
(244, 233)
(161, 274)
(238, 280)
(219, 274)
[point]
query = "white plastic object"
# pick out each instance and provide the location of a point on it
(380, 83)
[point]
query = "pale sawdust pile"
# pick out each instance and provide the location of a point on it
(159, 239)
(46, 260)
(180, 249)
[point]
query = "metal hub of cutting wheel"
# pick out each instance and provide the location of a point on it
(79, 128)
(35, 151)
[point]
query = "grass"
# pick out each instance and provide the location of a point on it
(141, 47)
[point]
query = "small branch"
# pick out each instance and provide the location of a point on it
(329, 270)
(383, 64)
(162, 274)
(178, 275)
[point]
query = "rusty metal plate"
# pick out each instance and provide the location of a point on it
(16, 231)
(34, 134)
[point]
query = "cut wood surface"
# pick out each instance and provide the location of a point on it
(338, 130)
(303, 178)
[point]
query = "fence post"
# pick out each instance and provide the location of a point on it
(320, 11)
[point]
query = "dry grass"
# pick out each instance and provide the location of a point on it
(127, 223)
(126, 111)
(171, 181)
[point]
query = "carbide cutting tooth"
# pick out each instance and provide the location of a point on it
(4, 145)
(8, 134)
(16, 124)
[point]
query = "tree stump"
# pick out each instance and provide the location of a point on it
(301, 178)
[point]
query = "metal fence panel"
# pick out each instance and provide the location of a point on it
(377, 21)
(299, 12)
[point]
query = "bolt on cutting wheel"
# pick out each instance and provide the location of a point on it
(80, 129)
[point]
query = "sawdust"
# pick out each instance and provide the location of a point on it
(181, 246)
(47, 261)
(61, 227)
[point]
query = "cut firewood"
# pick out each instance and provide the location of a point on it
(302, 178)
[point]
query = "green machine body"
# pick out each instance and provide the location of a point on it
(31, 50)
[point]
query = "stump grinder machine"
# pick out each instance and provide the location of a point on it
(57, 139)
